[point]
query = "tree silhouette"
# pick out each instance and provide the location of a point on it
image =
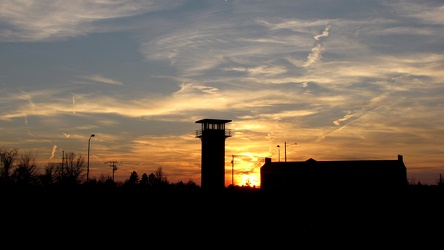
(49, 175)
(74, 168)
(26, 171)
(7, 158)
(133, 179)
(160, 176)
(152, 179)
(144, 180)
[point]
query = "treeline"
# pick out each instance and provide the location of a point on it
(19, 170)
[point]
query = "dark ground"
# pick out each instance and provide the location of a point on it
(238, 219)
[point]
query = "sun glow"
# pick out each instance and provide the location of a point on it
(250, 180)
(244, 170)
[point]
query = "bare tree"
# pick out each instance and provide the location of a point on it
(7, 158)
(50, 173)
(26, 171)
(74, 168)
(160, 175)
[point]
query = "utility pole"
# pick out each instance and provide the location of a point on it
(63, 160)
(232, 167)
(113, 165)
(232, 170)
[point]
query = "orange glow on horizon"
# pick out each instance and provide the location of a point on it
(243, 170)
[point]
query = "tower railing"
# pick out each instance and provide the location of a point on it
(199, 133)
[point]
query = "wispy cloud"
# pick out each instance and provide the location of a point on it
(102, 79)
(428, 12)
(57, 19)
(314, 55)
(324, 33)
(345, 118)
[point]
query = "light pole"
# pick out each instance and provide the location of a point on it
(87, 165)
(285, 149)
(279, 153)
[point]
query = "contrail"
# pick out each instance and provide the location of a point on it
(96, 157)
(53, 151)
(74, 104)
(26, 123)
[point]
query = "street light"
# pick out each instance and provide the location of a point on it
(285, 149)
(279, 153)
(87, 166)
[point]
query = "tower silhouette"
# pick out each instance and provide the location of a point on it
(213, 135)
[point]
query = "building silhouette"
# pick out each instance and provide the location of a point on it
(346, 175)
(213, 135)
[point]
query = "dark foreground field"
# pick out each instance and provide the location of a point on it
(212, 220)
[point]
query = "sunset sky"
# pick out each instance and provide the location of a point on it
(333, 80)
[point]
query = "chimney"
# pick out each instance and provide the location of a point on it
(400, 158)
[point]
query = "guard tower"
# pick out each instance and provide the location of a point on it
(213, 135)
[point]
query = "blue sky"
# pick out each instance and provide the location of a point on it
(334, 80)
